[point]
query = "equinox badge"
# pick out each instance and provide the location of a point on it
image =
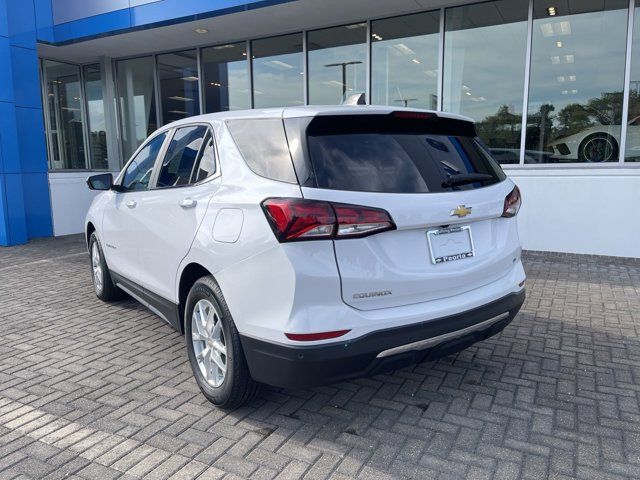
(461, 211)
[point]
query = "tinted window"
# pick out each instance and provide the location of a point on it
(395, 155)
(263, 145)
(177, 166)
(139, 171)
(207, 163)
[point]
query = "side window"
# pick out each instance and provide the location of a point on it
(178, 163)
(207, 162)
(139, 171)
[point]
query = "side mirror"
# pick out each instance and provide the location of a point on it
(103, 181)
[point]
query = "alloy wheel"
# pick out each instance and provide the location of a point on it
(207, 336)
(97, 267)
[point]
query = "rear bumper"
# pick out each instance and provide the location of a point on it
(381, 351)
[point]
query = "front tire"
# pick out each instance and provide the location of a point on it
(103, 285)
(214, 348)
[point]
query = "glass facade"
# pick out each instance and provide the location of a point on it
(632, 153)
(137, 102)
(577, 81)
(226, 77)
(404, 60)
(278, 72)
(65, 116)
(337, 59)
(549, 75)
(95, 117)
(484, 69)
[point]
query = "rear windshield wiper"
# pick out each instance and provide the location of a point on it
(465, 179)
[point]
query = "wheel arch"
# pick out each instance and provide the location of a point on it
(614, 141)
(89, 231)
(190, 274)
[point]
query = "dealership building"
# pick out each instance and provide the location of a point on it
(554, 86)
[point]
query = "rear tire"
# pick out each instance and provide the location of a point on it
(214, 348)
(103, 285)
(598, 148)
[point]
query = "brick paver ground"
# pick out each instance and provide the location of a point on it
(103, 391)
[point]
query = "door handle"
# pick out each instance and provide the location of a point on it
(188, 203)
(132, 204)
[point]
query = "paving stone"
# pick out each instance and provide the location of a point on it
(94, 390)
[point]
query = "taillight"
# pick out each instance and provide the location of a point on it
(297, 219)
(512, 203)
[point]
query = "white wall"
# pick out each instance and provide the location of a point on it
(580, 210)
(70, 200)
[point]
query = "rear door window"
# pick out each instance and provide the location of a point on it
(179, 161)
(379, 153)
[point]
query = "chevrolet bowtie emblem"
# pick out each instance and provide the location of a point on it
(461, 211)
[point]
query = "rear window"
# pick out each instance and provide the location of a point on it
(388, 154)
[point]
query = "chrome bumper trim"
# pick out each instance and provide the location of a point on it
(430, 342)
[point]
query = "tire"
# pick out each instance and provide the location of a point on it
(598, 148)
(103, 285)
(212, 342)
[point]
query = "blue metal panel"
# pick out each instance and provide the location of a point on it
(31, 141)
(93, 26)
(9, 146)
(37, 205)
(4, 224)
(174, 9)
(44, 20)
(6, 80)
(22, 23)
(15, 212)
(26, 82)
(4, 26)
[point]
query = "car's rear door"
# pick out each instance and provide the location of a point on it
(448, 239)
(186, 179)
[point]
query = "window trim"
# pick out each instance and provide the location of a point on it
(165, 148)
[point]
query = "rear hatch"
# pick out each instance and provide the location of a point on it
(449, 237)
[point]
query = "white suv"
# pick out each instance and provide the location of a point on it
(301, 246)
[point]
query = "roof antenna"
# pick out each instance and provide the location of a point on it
(355, 99)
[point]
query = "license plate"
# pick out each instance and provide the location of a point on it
(450, 244)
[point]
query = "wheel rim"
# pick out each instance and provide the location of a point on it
(207, 337)
(97, 267)
(598, 150)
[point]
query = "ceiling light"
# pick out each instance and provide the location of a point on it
(569, 58)
(182, 99)
(356, 25)
(190, 78)
(552, 11)
(559, 44)
(201, 30)
(416, 61)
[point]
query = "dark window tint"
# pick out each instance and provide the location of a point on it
(263, 145)
(139, 171)
(395, 155)
(207, 162)
(177, 166)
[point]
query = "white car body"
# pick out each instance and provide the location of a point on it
(363, 285)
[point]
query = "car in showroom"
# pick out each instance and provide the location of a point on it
(597, 144)
(307, 245)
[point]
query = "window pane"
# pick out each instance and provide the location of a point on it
(337, 63)
(65, 116)
(277, 71)
(485, 55)
(633, 129)
(95, 116)
(404, 56)
(178, 163)
(263, 145)
(207, 163)
(577, 75)
(140, 169)
(178, 73)
(226, 77)
(136, 96)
